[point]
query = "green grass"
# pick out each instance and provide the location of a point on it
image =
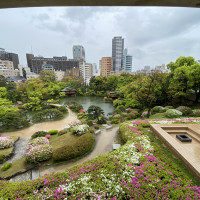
(59, 141)
(18, 165)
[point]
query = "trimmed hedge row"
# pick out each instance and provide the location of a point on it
(80, 147)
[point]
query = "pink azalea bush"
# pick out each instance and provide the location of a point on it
(37, 141)
(6, 142)
(39, 153)
(48, 136)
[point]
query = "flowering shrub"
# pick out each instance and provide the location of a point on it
(37, 141)
(133, 114)
(80, 129)
(48, 136)
(185, 110)
(158, 109)
(197, 113)
(6, 142)
(173, 113)
(39, 153)
(144, 114)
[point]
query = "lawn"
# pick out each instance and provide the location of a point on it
(18, 165)
(60, 141)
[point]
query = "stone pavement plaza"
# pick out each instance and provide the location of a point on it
(187, 152)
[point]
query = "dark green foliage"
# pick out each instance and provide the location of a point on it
(80, 147)
(2, 158)
(53, 132)
(185, 110)
(89, 123)
(74, 106)
(39, 134)
(62, 132)
(6, 166)
(47, 114)
(62, 109)
(102, 120)
(96, 111)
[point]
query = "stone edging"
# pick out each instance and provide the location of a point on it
(9, 156)
(17, 173)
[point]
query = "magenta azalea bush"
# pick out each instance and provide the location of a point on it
(39, 153)
(6, 142)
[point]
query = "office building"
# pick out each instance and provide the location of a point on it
(127, 61)
(58, 63)
(10, 57)
(117, 53)
(7, 69)
(106, 66)
(78, 53)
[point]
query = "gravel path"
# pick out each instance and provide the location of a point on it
(20, 149)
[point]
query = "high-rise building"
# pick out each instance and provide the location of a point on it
(85, 71)
(106, 66)
(78, 53)
(127, 61)
(117, 53)
(58, 63)
(9, 56)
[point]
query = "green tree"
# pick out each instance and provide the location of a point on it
(96, 111)
(3, 92)
(47, 76)
(2, 81)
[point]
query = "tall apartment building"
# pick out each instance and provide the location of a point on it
(127, 61)
(7, 68)
(85, 71)
(9, 56)
(117, 53)
(58, 63)
(106, 66)
(78, 52)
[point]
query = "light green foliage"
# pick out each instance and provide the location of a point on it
(3, 92)
(47, 76)
(6, 166)
(34, 104)
(173, 113)
(61, 94)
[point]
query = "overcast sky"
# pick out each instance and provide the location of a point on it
(153, 35)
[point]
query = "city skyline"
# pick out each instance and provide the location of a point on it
(153, 35)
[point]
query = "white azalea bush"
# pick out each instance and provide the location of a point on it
(6, 142)
(173, 113)
(80, 129)
(39, 153)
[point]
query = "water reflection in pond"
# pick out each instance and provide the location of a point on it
(87, 101)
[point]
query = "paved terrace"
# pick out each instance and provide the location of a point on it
(39, 3)
(188, 153)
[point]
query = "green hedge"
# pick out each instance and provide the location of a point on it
(53, 132)
(6, 166)
(39, 134)
(81, 146)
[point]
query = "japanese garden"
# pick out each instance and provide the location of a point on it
(64, 131)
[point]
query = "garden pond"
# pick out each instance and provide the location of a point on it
(87, 101)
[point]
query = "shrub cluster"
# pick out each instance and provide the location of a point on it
(39, 134)
(6, 166)
(80, 129)
(74, 106)
(173, 113)
(38, 150)
(53, 132)
(62, 132)
(6, 142)
(62, 109)
(2, 157)
(133, 114)
(186, 111)
(80, 147)
(158, 109)
(197, 113)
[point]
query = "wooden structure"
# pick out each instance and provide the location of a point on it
(69, 91)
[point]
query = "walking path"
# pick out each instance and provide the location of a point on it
(59, 125)
(20, 149)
